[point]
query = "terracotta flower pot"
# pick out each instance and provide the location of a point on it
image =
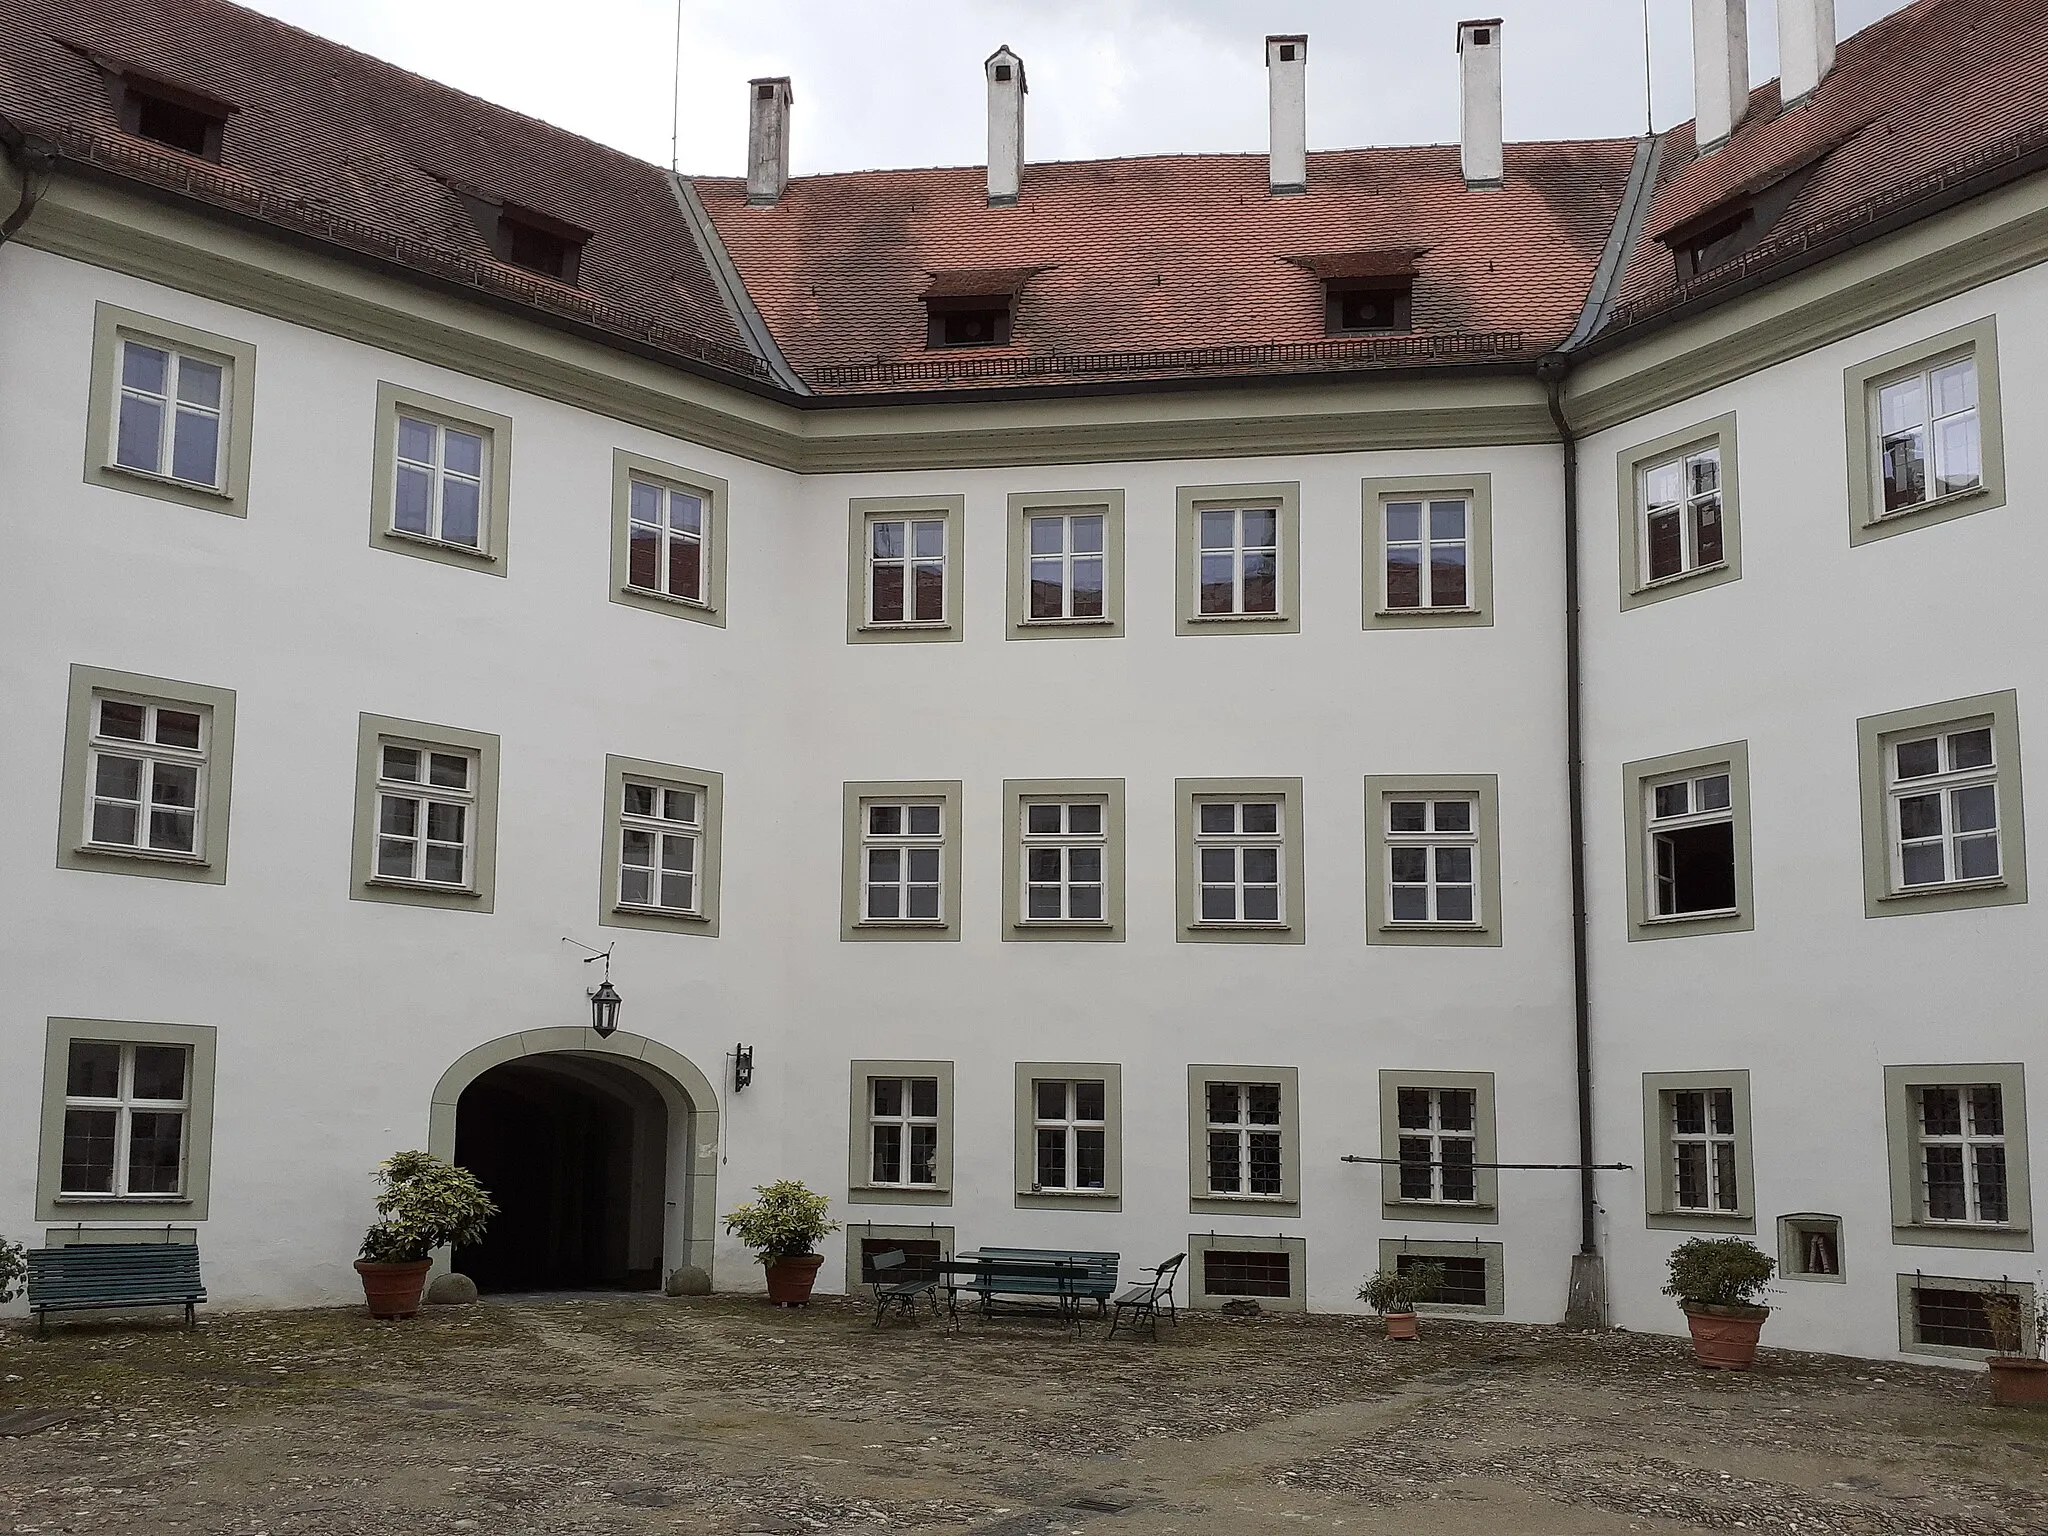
(2018, 1381)
(1724, 1338)
(393, 1290)
(791, 1277)
(1403, 1325)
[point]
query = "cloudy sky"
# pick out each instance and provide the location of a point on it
(898, 82)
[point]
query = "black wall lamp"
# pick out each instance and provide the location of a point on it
(604, 999)
(742, 1067)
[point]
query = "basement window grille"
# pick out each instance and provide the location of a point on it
(1957, 1319)
(1238, 1272)
(1464, 1283)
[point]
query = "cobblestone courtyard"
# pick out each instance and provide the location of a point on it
(723, 1416)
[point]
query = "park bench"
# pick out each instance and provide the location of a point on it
(1032, 1279)
(1146, 1299)
(91, 1276)
(901, 1282)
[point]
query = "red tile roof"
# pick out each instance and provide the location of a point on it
(1940, 85)
(1170, 263)
(336, 143)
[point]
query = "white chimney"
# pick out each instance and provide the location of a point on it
(1720, 69)
(1479, 90)
(1006, 90)
(1287, 77)
(1806, 46)
(767, 140)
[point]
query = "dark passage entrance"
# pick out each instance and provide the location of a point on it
(574, 1149)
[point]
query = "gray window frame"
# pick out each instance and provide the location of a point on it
(1028, 1196)
(1873, 734)
(1201, 1199)
(852, 926)
(1860, 384)
(881, 1231)
(1477, 491)
(112, 324)
(364, 884)
(1296, 1249)
(1481, 787)
(861, 510)
(1494, 1254)
(710, 788)
(1901, 1143)
(1024, 505)
(859, 1189)
(1284, 496)
(493, 557)
(1635, 777)
(200, 1041)
(1188, 926)
(1637, 590)
(1660, 1213)
(210, 865)
(712, 491)
(1485, 1210)
(1017, 927)
(1907, 1284)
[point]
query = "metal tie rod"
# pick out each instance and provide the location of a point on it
(1402, 1162)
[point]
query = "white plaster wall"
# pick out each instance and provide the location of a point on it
(1818, 999)
(337, 1018)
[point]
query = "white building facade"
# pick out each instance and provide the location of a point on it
(1081, 817)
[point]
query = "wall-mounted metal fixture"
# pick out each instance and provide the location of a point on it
(742, 1067)
(604, 999)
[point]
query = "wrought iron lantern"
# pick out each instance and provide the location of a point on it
(604, 1009)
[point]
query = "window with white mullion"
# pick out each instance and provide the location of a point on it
(1681, 511)
(902, 845)
(1691, 829)
(1067, 555)
(1962, 1166)
(1071, 1134)
(438, 492)
(1439, 1144)
(1929, 441)
(172, 416)
(426, 814)
(146, 778)
(1065, 860)
(1703, 1150)
(1238, 858)
(906, 570)
(903, 1131)
(665, 536)
(125, 1110)
(1427, 549)
(1432, 860)
(1244, 1131)
(661, 829)
(1239, 562)
(1944, 809)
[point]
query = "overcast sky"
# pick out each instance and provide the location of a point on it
(898, 82)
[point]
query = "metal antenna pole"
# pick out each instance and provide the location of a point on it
(675, 97)
(1649, 98)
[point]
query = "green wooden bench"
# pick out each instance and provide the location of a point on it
(1041, 1279)
(93, 1276)
(1145, 1300)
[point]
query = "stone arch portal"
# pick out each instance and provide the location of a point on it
(625, 1067)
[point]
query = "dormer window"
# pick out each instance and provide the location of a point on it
(973, 308)
(1356, 305)
(164, 114)
(523, 238)
(1366, 292)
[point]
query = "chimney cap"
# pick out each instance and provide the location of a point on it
(781, 80)
(1004, 55)
(1467, 26)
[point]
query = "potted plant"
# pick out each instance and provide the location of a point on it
(783, 1228)
(13, 1270)
(424, 1204)
(1719, 1283)
(2019, 1376)
(1393, 1293)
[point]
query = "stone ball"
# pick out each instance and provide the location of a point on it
(451, 1290)
(689, 1280)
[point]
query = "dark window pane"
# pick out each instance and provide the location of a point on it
(924, 1154)
(931, 592)
(1264, 1148)
(1224, 1173)
(1700, 865)
(1412, 1108)
(1223, 1103)
(1991, 1188)
(888, 594)
(94, 1070)
(1052, 1099)
(88, 1151)
(924, 1096)
(1088, 1100)
(160, 1072)
(1052, 1159)
(1941, 1111)
(1946, 1200)
(1090, 1159)
(1415, 1168)
(1667, 544)
(888, 1161)
(1447, 578)
(155, 1140)
(1262, 1103)
(1460, 1181)
(888, 1093)
(1707, 523)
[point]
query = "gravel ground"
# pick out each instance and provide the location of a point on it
(722, 1415)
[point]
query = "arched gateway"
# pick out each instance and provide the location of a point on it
(601, 1154)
